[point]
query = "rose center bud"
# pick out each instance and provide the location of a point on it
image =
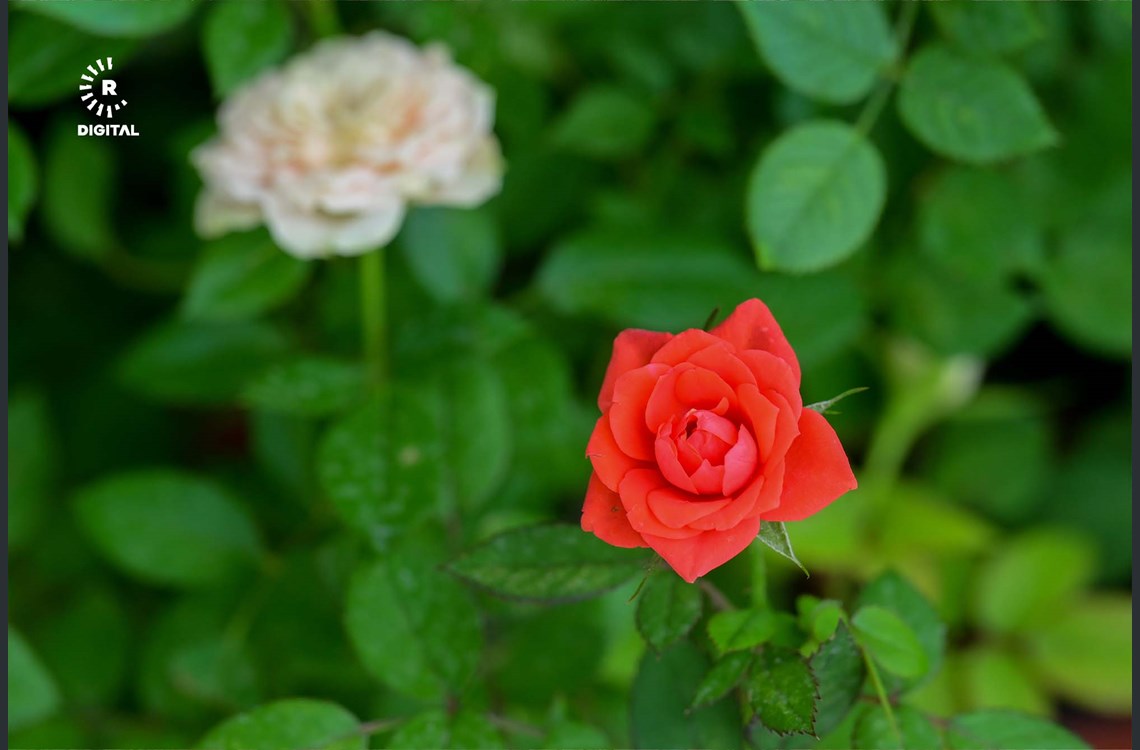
(704, 453)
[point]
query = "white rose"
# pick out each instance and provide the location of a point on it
(328, 150)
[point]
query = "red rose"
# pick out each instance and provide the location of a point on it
(703, 436)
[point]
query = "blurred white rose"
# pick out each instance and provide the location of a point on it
(328, 150)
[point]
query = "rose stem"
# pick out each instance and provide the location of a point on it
(373, 315)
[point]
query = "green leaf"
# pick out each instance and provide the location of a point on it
(782, 692)
(242, 275)
(309, 386)
(117, 19)
(32, 693)
(926, 524)
(240, 40)
(76, 217)
(774, 535)
(605, 122)
(659, 709)
(1007, 730)
(996, 28)
(832, 53)
(22, 180)
(292, 724)
(436, 728)
(167, 527)
(455, 254)
(995, 677)
(88, 677)
(1084, 652)
(971, 109)
(414, 628)
(725, 675)
(381, 465)
(739, 629)
(894, 592)
(873, 730)
(548, 563)
(46, 55)
(1031, 578)
(197, 362)
(890, 641)
(839, 671)
(814, 197)
(214, 672)
(667, 609)
(31, 465)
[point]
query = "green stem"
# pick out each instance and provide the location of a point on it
(759, 576)
(373, 315)
(874, 106)
(323, 17)
(881, 691)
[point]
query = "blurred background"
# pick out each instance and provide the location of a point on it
(979, 285)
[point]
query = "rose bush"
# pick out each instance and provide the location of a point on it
(704, 436)
(329, 150)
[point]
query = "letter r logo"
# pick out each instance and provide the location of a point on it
(108, 87)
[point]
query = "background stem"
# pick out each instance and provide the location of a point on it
(373, 315)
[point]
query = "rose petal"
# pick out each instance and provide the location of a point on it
(717, 425)
(610, 464)
(740, 462)
(752, 326)
(708, 478)
(684, 345)
(702, 389)
(763, 415)
(817, 471)
(603, 514)
(697, 555)
(669, 463)
(678, 510)
(758, 496)
(627, 412)
(633, 348)
(634, 492)
(722, 359)
(671, 399)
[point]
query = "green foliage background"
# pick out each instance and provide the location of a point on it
(209, 513)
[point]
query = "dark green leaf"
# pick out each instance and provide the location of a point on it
(774, 535)
(76, 217)
(890, 641)
(839, 671)
(814, 197)
(892, 591)
(309, 386)
(438, 729)
(190, 362)
(828, 52)
(381, 464)
(45, 56)
(239, 40)
(454, 254)
(88, 677)
(167, 527)
(32, 693)
(989, 27)
(117, 19)
(782, 692)
(723, 677)
(242, 275)
(214, 672)
(292, 724)
(667, 609)
(1007, 730)
(31, 465)
(605, 122)
(22, 181)
(971, 109)
(740, 629)
(415, 628)
(662, 693)
(874, 731)
(549, 563)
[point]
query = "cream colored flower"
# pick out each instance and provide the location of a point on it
(330, 149)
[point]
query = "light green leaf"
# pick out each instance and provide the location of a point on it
(971, 109)
(308, 386)
(890, 641)
(774, 536)
(922, 523)
(548, 563)
(45, 55)
(168, 527)
(455, 254)
(895, 593)
(605, 122)
(723, 677)
(292, 724)
(996, 677)
(873, 730)
(1031, 578)
(239, 40)
(660, 700)
(381, 465)
(117, 19)
(1084, 652)
(814, 197)
(1008, 730)
(414, 628)
(242, 275)
(32, 693)
(782, 692)
(197, 362)
(997, 28)
(667, 609)
(839, 671)
(75, 216)
(22, 180)
(31, 465)
(832, 53)
(739, 629)
(436, 728)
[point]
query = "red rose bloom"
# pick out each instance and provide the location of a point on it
(703, 436)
